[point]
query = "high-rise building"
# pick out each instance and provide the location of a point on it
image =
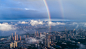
(20, 37)
(27, 36)
(15, 43)
(45, 41)
(48, 42)
(12, 36)
(15, 36)
(35, 33)
(40, 34)
(11, 45)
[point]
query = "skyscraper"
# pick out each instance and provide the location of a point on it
(20, 37)
(40, 34)
(11, 44)
(15, 44)
(35, 33)
(15, 36)
(12, 36)
(25, 36)
(48, 41)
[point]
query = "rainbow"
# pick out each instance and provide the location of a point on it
(61, 8)
(48, 14)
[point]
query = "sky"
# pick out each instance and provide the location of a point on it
(36, 9)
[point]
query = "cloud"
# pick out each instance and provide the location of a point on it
(77, 26)
(42, 36)
(6, 27)
(74, 23)
(31, 40)
(23, 22)
(39, 22)
(27, 9)
(55, 23)
(35, 40)
(35, 22)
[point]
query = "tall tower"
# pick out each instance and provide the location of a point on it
(40, 34)
(12, 36)
(48, 41)
(25, 36)
(15, 36)
(20, 37)
(11, 44)
(45, 41)
(35, 33)
(15, 44)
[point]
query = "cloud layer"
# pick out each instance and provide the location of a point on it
(23, 22)
(30, 26)
(55, 23)
(6, 27)
(35, 22)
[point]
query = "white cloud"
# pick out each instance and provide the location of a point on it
(77, 26)
(23, 22)
(38, 22)
(42, 36)
(59, 23)
(26, 9)
(6, 27)
(55, 23)
(35, 22)
(74, 23)
(31, 40)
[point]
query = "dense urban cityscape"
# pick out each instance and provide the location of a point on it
(68, 39)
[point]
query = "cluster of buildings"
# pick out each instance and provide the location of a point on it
(41, 40)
